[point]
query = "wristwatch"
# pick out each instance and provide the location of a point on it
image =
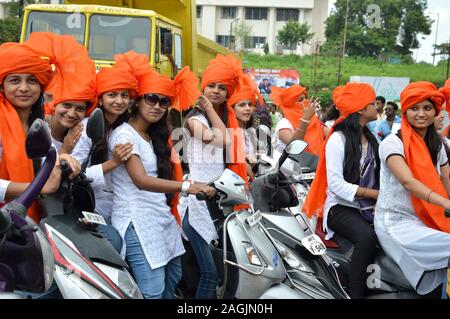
(185, 188)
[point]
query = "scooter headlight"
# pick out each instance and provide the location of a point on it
(251, 254)
(47, 257)
(288, 256)
(122, 279)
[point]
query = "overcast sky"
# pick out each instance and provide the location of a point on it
(435, 7)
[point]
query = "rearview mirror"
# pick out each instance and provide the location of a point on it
(166, 41)
(296, 147)
(38, 140)
(95, 128)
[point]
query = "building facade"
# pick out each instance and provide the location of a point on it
(216, 18)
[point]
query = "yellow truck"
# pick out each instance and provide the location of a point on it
(165, 30)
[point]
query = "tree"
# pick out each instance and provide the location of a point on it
(241, 32)
(10, 29)
(294, 33)
(266, 48)
(379, 27)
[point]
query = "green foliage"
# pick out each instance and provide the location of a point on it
(326, 73)
(10, 29)
(376, 27)
(241, 32)
(294, 33)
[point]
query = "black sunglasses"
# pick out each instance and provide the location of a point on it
(153, 99)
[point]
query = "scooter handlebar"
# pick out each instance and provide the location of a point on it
(66, 169)
(447, 213)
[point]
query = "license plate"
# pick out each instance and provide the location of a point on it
(94, 218)
(253, 219)
(314, 245)
(308, 176)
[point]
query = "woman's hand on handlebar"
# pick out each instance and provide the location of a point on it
(196, 188)
(54, 180)
(73, 163)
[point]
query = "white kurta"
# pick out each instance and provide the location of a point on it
(205, 164)
(283, 124)
(156, 227)
(421, 252)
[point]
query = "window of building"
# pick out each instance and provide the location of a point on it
(199, 12)
(224, 40)
(255, 42)
(256, 13)
(287, 14)
(228, 12)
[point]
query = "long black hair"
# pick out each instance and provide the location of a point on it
(100, 153)
(159, 135)
(37, 111)
(353, 131)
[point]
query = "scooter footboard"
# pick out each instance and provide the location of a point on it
(281, 291)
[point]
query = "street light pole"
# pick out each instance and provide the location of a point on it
(435, 39)
(231, 31)
(341, 56)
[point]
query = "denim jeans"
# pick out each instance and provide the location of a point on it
(206, 288)
(112, 235)
(153, 283)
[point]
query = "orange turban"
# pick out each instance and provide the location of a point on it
(337, 93)
(292, 110)
(247, 90)
(15, 165)
(117, 77)
(351, 98)
(446, 91)
(418, 157)
(226, 70)
(74, 76)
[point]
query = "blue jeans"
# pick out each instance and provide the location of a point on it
(153, 283)
(206, 288)
(112, 235)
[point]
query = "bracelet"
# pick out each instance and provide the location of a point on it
(185, 188)
(428, 197)
(305, 121)
(298, 129)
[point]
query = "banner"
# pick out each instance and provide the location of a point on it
(388, 87)
(267, 78)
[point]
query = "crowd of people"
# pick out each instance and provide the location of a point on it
(373, 186)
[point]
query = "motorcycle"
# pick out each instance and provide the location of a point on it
(87, 265)
(388, 282)
(26, 258)
(250, 262)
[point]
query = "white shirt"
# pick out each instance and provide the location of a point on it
(156, 227)
(249, 139)
(282, 125)
(3, 182)
(339, 191)
(101, 184)
(205, 164)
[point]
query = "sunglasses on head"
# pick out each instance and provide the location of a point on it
(153, 99)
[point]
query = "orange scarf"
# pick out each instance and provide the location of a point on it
(418, 157)
(15, 165)
(74, 75)
(446, 91)
(117, 77)
(292, 110)
(352, 98)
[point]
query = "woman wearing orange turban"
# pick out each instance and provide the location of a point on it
(116, 85)
(212, 145)
(144, 205)
(409, 218)
(23, 76)
(300, 121)
(243, 102)
(446, 91)
(347, 176)
(71, 88)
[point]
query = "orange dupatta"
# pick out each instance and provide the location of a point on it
(349, 99)
(418, 157)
